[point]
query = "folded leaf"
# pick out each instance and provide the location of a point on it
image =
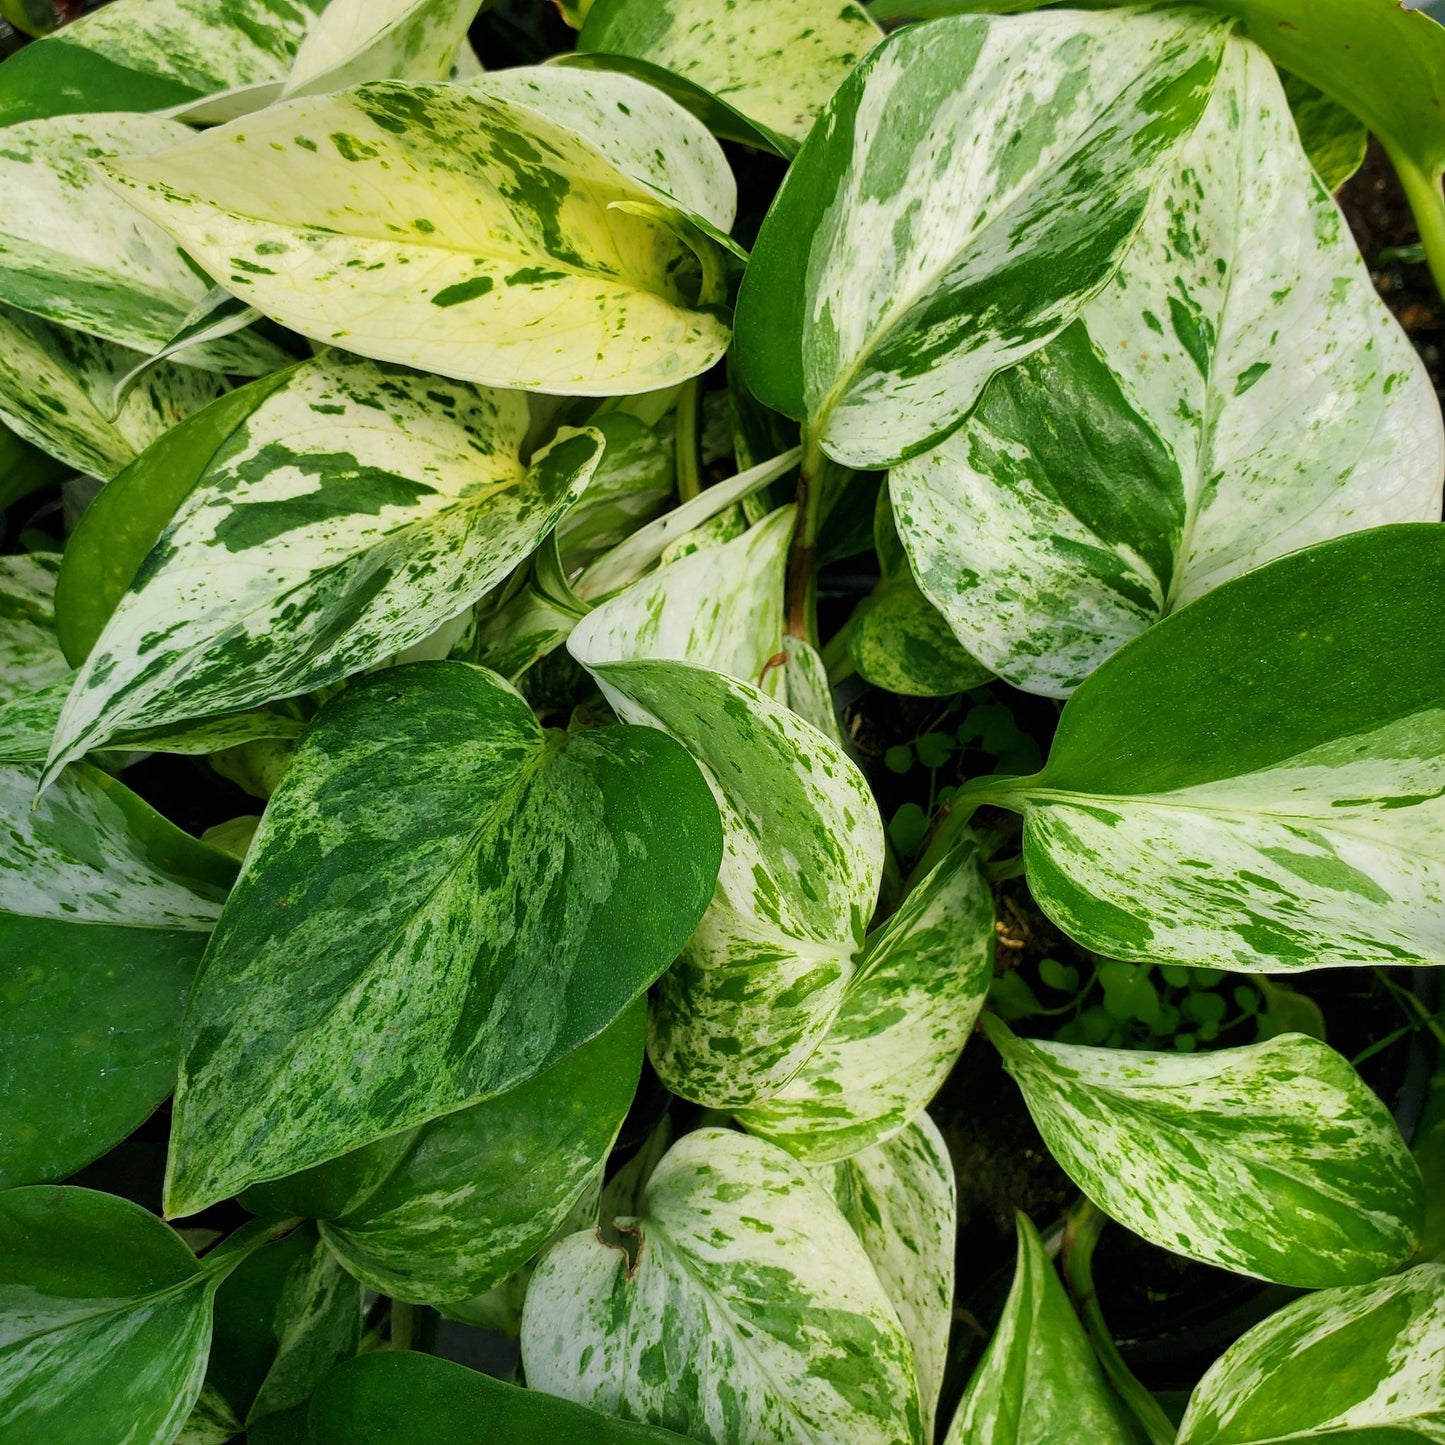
(442, 228)
(51, 380)
(777, 63)
(1038, 1383)
(1224, 400)
(1365, 1363)
(906, 1014)
(743, 1311)
(1256, 783)
(492, 897)
(347, 515)
(902, 1202)
(1005, 163)
(449, 1210)
(410, 1399)
(1274, 1159)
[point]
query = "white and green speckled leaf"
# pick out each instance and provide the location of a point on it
(1365, 1363)
(77, 254)
(30, 657)
(1273, 1159)
(743, 1310)
(353, 41)
(54, 383)
(906, 1014)
(643, 133)
(1335, 140)
(762, 978)
(350, 513)
(972, 184)
(776, 63)
(1224, 400)
(633, 483)
(444, 1212)
(439, 227)
(467, 899)
(1038, 1383)
(901, 1199)
(1257, 782)
(139, 55)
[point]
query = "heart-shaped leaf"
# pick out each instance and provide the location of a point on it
(1221, 402)
(744, 1309)
(439, 227)
(491, 897)
(1005, 163)
(1274, 1159)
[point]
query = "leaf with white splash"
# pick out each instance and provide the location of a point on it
(906, 1014)
(746, 1310)
(30, 657)
(444, 1212)
(52, 383)
(347, 516)
(761, 980)
(1365, 1363)
(493, 895)
(1258, 781)
(75, 253)
(776, 64)
(439, 227)
(901, 1199)
(1274, 1159)
(353, 41)
(1223, 401)
(1038, 1382)
(632, 484)
(969, 187)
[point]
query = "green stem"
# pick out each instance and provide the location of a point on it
(1427, 201)
(1082, 1226)
(403, 1324)
(802, 575)
(685, 443)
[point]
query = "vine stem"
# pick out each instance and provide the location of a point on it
(685, 442)
(802, 560)
(1427, 201)
(1082, 1226)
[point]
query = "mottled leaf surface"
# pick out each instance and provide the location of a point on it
(1364, 1363)
(30, 657)
(901, 1199)
(907, 1012)
(441, 901)
(1299, 824)
(439, 227)
(1274, 1159)
(1225, 399)
(353, 511)
(632, 484)
(776, 63)
(969, 187)
(353, 41)
(1038, 1383)
(744, 1310)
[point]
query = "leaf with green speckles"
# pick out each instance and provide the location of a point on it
(1223, 401)
(761, 981)
(970, 186)
(104, 910)
(740, 1310)
(901, 1199)
(51, 383)
(906, 1014)
(633, 483)
(776, 63)
(30, 656)
(414, 1399)
(1274, 1159)
(353, 41)
(1257, 782)
(1335, 141)
(446, 1211)
(1364, 1363)
(1038, 1383)
(897, 638)
(139, 55)
(347, 514)
(439, 227)
(442, 901)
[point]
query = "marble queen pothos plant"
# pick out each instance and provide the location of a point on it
(391, 367)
